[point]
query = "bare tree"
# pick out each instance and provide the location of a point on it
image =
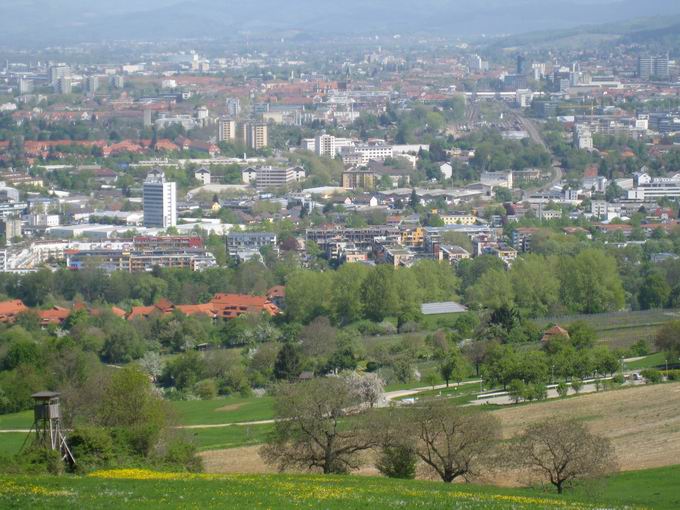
(563, 451)
(451, 440)
(313, 429)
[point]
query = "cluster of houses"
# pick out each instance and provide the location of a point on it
(221, 306)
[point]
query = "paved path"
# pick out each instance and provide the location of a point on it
(393, 395)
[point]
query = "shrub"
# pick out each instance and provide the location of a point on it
(618, 378)
(562, 389)
(206, 389)
(577, 385)
(673, 375)
(651, 375)
(639, 348)
(372, 366)
(517, 390)
(91, 446)
(182, 454)
(397, 462)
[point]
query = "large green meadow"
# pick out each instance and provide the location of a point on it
(653, 489)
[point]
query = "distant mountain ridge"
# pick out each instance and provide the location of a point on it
(54, 21)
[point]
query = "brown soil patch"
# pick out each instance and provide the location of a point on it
(643, 423)
(229, 407)
(235, 460)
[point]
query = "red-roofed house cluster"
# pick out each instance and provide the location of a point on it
(221, 306)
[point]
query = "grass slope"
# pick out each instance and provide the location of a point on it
(150, 490)
(224, 410)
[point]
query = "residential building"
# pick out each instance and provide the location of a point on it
(358, 178)
(269, 177)
(10, 228)
(240, 243)
(160, 201)
(202, 175)
(10, 309)
(583, 138)
(255, 135)
(459, 219)
(230, 306)
(226, 130)
(651, 188)
(233, 105)
(497, 179)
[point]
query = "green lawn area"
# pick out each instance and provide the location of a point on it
(22, 420)
(652, 489)
(233, 436)
(224, 410)
(654, 360)
(10, 443)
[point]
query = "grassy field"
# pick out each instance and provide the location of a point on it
(657, 360)
(150, 490)
(224, 410)
(228, 437)
(10, 443)
(14, 421)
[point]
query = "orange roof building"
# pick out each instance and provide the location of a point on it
(553, 332)
(54, 315)
(230, 306)
(10, 309)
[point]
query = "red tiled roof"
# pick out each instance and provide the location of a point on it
(55, 315)
(204, 309)
(10, 309)
(276, 291)
(229, 306)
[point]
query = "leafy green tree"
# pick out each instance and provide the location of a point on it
(590, 282)
(346, 293)
(288, 365)
(535, 286)
(654, 292)
(493, 290)
(307, 294)
(668, 339)
(132, 407)
(380, 293)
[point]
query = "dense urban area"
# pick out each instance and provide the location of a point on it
(381, 257)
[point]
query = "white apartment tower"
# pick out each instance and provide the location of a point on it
(325, 145)
(160, 201)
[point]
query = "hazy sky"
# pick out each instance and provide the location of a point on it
(46, 21)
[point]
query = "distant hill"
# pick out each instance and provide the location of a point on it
(48, 21)
(662, 31)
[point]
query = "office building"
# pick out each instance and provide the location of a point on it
(653, 67)
(64, 86)
(647, 187)
(269, 177)
(25, 86)
(57, 72)
(160, 201)
(226, 130)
